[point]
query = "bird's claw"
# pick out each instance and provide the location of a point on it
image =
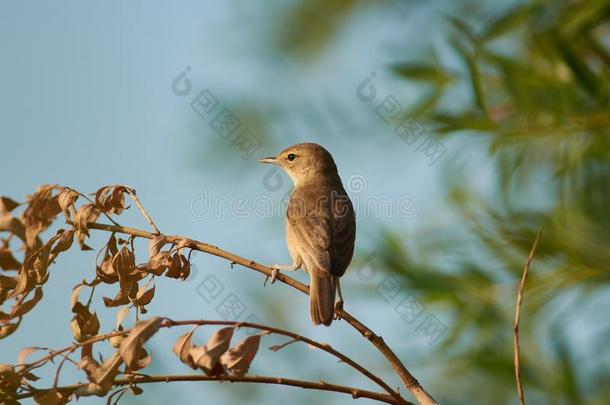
(338, 309)
(273, 276)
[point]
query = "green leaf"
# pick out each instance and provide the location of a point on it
(422, 72)
(507, 22)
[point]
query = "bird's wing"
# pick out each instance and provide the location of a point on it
(324, 230)
(311, 222)
(344, 234)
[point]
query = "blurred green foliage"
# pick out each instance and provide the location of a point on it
(534, 82)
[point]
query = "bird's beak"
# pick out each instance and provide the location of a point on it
(270, 160)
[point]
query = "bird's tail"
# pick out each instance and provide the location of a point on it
(322, 299)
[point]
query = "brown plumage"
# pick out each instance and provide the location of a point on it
(320, 224)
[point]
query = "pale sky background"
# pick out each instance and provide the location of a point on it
(87, 101)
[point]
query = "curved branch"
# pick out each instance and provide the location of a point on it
(321, 386)
(407, 378)
(168, 323)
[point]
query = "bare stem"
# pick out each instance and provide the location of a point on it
(530, 257)
(321, 386)
(135, 198)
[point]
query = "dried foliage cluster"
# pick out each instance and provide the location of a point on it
(22, 283)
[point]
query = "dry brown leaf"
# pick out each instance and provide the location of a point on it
(102, 198)
(156, 244)
(91, 326)
(24, 308)
(124, 264)
(9, 223)
(30, 376)
(83, 215)
(7, 282)
(86, 213)
(84, 324)
(3, 295)
(143, 297)
(105, 271)
(24, 353)
(25, 282)
(7, 329)
(9, 380)
(182, 348)
(117, 200)
(41, 263)
(157, 264)
(75, 294)
(66, 198)
(31, 234)
(206, 357)
(121, 314)
(115, 341)
(64, 242)
(179, 267)
(185, 267)
(111, 199)
(7, 260)
(53, 397)
(120, 299)
(175, 267)
(144, 359)
(131, 347)
(9, 383)
(239, 358)
(7, 204)
(112, 245)
(102, 375)
(41, 210)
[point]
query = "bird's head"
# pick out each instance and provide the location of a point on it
(304, 162)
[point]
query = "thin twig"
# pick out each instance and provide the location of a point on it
(407, 378)
(321, 386)
(530, 257)
(277, 348)
(135, 198)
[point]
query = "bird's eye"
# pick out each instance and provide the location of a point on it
(291, 157)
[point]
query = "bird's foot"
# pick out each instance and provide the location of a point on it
(273, 276)
(338, 309)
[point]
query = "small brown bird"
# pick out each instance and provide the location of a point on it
(320, 224)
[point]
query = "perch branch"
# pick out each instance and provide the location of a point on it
(407, 378)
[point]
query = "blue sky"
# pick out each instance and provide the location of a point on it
(87, 101)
